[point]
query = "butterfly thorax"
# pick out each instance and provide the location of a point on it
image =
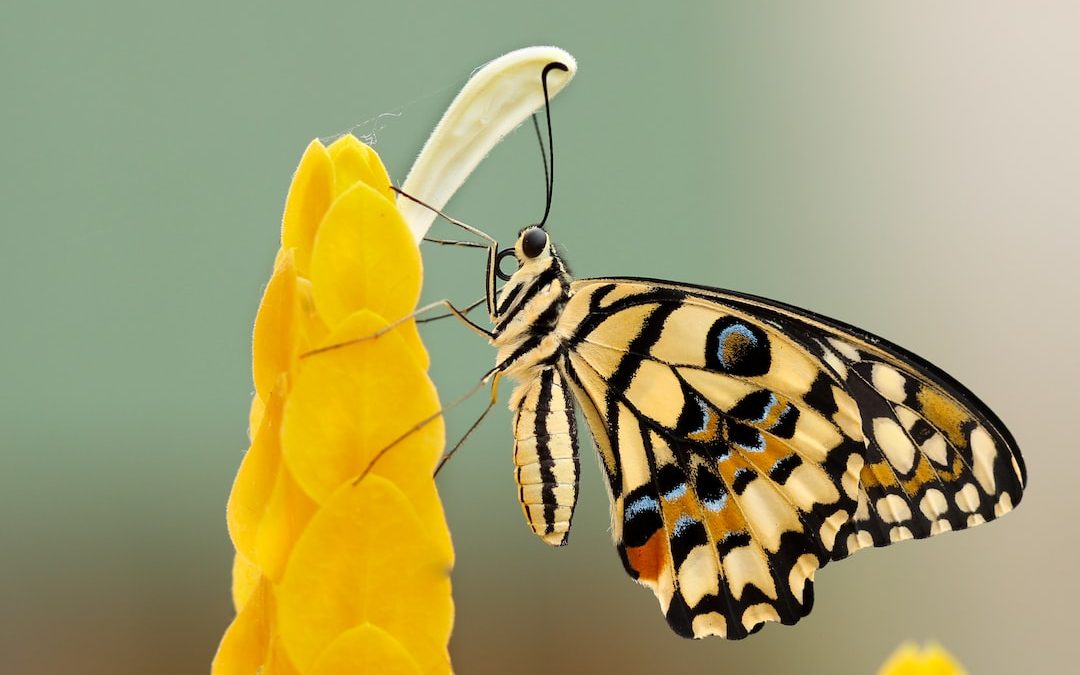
(526, 313)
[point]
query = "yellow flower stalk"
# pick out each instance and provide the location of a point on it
(909, 659)
(333, 574)
(343, 555)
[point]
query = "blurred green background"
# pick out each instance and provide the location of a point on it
(913, 169)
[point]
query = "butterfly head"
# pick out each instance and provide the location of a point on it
(538, 265)
(533, 252)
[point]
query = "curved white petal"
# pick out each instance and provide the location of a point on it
(497, 98)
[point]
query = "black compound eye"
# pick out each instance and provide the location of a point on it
(533, 241)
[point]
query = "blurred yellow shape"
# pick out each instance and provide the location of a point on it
(909, 659)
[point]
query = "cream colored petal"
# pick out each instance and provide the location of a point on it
(497, 98)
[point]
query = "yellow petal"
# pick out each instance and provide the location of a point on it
(287, 513)
(364, 258)
(498, 97)
(365, 558)
(309, 197)
(908, 659)
(255, 480)
(245, 579)
(278, 662)
(349, 403)
(310, 329)
(274, 342)
(255, 415)
(244, 647)
(356, 162)
(410, 464)
(379, 179)
(419, 488)
(366, 649)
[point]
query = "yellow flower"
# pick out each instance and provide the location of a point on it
(908, 659)
(333, 575)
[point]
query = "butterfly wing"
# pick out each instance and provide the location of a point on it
(748, 443)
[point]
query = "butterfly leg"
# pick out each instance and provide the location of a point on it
(437, 414)
(468, 308)
(494, 375)
(455, 242)
(461, 314)
(492, 246)
(454, 311)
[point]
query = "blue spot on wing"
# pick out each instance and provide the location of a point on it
(670, 482)
(716, 503)
(746, 437)
(743, 477)
(711, 490)
(640, 505)
(757, 446)
(736, 347)
(705, 416)
(675, 492)
(768, 407)
(681, 524)
(727, 333)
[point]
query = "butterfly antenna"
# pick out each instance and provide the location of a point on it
(549, 172)
(544, 160)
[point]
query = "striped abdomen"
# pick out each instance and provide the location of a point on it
(546, 455)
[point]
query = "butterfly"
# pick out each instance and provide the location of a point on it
(746, 443)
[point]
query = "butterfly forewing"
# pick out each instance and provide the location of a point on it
(747, 443)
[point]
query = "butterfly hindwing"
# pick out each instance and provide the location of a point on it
(747, 443)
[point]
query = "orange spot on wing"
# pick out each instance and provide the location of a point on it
(648, 558)
(762, 461)
(878, 473)
(924, 474)
(710, 431)
(944, 414)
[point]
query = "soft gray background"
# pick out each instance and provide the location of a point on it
(912, 169)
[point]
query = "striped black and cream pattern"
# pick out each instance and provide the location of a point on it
(546, 455)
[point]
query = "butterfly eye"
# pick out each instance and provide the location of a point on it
(533, 241)
(503, 255)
